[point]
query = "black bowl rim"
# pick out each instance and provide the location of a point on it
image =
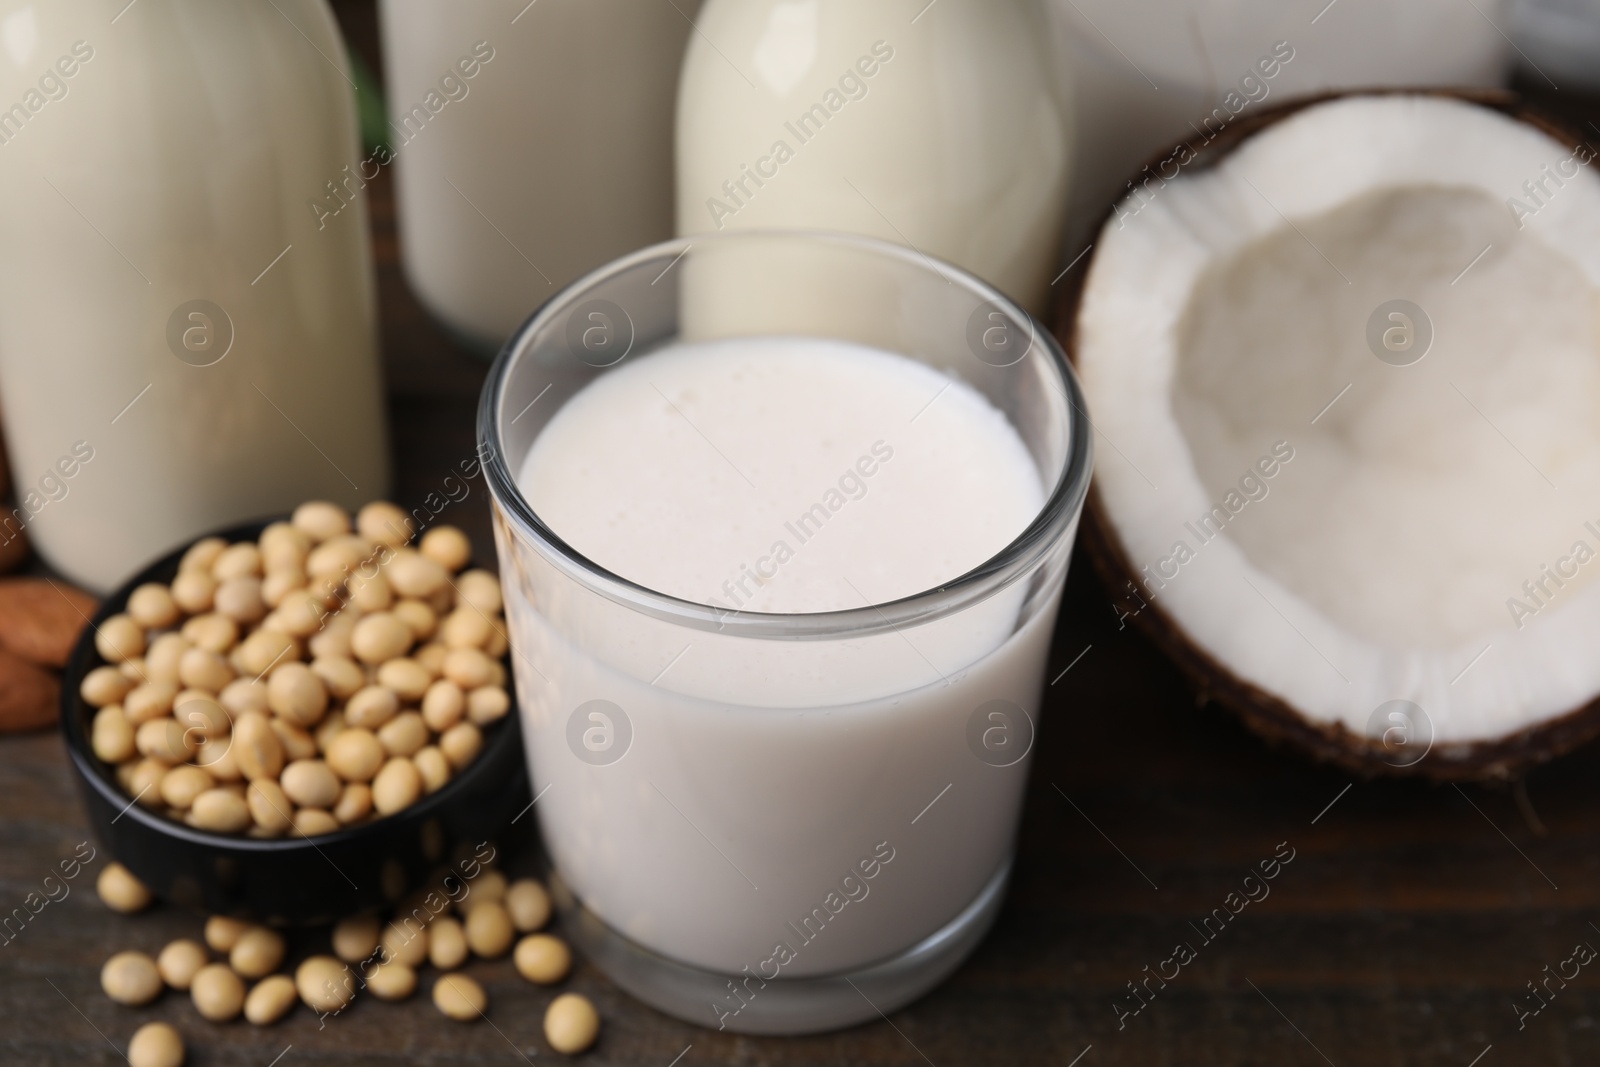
(95, 772)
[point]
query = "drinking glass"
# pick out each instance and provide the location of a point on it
(780, 823)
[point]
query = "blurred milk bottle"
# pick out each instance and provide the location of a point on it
(930, 125)
(184, 341)
(533, 143)
(1149, 74)
(1558, 41)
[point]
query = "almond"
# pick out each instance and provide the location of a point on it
(13, 549)
(40, 620)
(29, 695)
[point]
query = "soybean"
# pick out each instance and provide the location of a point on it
(422, 620)
(295, 692)
(355, 755)
(447, 943)
(487, 703)
(321, 520)
(242, 695)
(543, 959)
(446, 546)
(151, 606)
(181, 785)
(406, 678)
(396, 786)
(469, 668)
(355, 938)
(213, 632)
(384, 523)
(222, 933)
(324, 983)
(180, 961)
(355, 804)
(131, 978)
(219, 810)
(489, 930)
(481, 590)
(380, 637)
(121, 891)
(460, 744)
(459, 997)
(193, 591)
(150, 700)
(217, 992)
(312, 822)
(371, 707)
(405, 941)
(443, 704)
(269, 1000)
(528, 904)
(405, 734)
(156, 1045)
(258, 750)
(257, 953)
(201, 668)
(104, 685)
(297, 743)
(342, 677)
(201, 555)
(111, 736)
(269, 806)
(119, 638)
(432, 767)
(310, 783)
(240, 560)
(571, 1024)
(392, 981)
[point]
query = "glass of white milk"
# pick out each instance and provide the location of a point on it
(783, 521)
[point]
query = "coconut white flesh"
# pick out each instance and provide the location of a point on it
(1386, 558)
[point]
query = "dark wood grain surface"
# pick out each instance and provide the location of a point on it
(1405, 930)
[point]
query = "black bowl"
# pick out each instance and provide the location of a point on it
(292, 881)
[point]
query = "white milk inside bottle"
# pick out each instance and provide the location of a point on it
(552, 157)
(1150, 74)
(931, 126)
(182, 344)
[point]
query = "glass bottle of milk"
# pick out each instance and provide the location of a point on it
(936, 126)
(1150, 74)
(551, 157)
(182, 345)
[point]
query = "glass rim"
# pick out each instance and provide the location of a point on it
(1052, 521)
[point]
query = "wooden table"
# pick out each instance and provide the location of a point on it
(1404, 930)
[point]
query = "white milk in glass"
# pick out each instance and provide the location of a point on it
(761, 777)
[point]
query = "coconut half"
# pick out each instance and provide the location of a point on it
(1345, 373)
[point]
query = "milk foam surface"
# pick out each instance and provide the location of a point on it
(782, 474)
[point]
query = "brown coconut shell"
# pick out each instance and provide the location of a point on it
(1265, 714)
